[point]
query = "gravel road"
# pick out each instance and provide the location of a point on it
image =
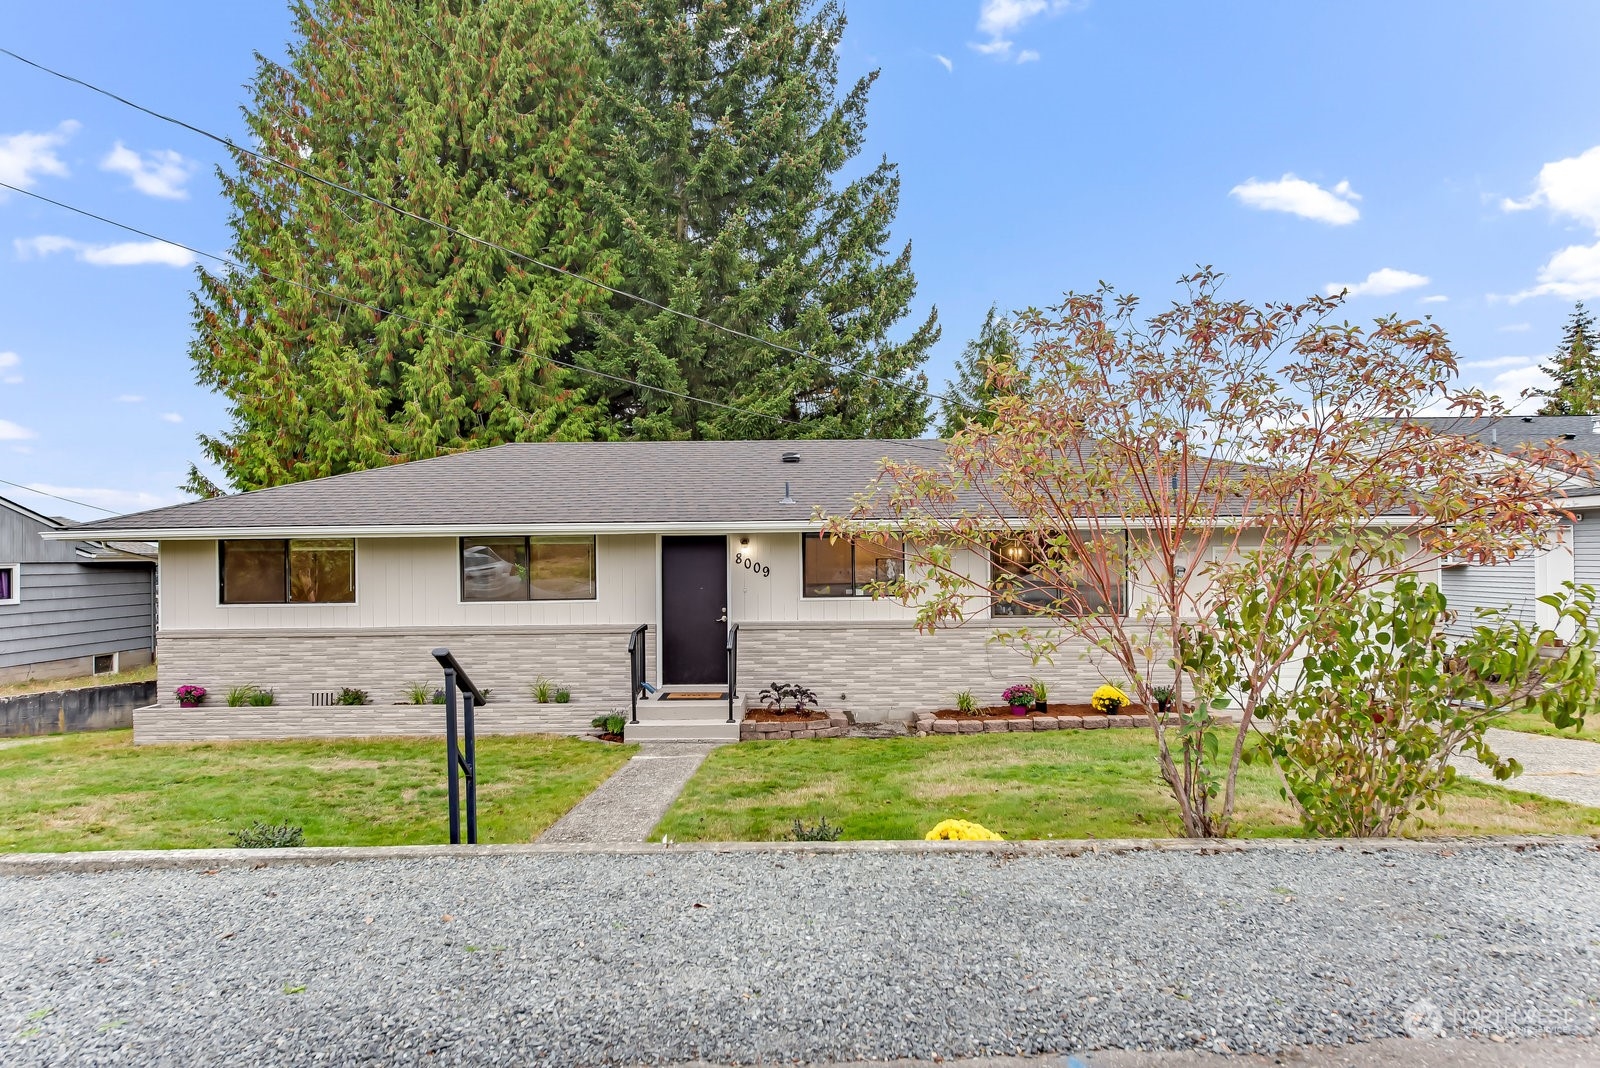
(744, 957)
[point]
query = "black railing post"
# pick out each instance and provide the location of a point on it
(636, 667)
(471, 768)
(733, 666)
(451, 754)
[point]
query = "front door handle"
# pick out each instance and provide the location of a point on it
(723, 618)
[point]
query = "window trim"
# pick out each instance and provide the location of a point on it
(855, 589)
(16, 584)
(994, 562)
(355, 577)
(527, 541)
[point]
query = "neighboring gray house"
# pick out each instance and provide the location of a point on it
(71, 607)
(1518, 584)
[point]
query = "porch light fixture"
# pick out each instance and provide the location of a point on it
(744, 539)
(787, 497)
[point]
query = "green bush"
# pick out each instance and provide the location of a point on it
(419, 693)
(263, 835)
(611, 723)
(349, 695)
(543, 689)
(821, 831)
(563, 695)
(248, 694)
(966, 704)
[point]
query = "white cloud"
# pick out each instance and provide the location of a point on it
(129, 398)
(172, 417)
(1510, 378)
(118, 500)
(999, 19)
(1500, 361)
(24, 157)
(1573, 273)
(1299, 197)
(125, 254)
(9, 364)
(944, 61)
(161, 173)
(1515, 328)
(1383, 282)
(1435, 298)
(1567, 187)
(10, 431)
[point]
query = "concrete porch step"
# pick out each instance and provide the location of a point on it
(661, 711)
(682, 730)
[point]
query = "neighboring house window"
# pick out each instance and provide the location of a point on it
(528, 569)
(1013, 564)
(10, 584)
(839, 567)
(288, 571)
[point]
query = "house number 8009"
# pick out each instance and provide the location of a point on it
(749, 564)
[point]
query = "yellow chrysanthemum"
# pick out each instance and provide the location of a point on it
(961, 831)
(1108, 700)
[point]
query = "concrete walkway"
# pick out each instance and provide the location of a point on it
(1566, 769)
(628, 805)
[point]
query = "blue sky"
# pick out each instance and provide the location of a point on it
(1441, 158)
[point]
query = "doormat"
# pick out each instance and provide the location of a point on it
(679, 695)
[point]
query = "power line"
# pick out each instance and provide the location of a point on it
(378, 310)
(57, 496)
(230, 144)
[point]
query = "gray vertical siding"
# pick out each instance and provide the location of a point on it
(1586, 549)
(1510, 585)
(68, 608)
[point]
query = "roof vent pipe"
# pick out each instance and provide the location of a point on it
(791, 457)
(787, 497)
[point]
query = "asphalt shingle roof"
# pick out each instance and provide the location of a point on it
(570, 483)
(1575, 432)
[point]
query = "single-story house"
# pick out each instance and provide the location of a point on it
(71, 607)
(1519, 583)
(535, 561)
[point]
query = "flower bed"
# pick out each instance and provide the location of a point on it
(763, 723)
(999, 718)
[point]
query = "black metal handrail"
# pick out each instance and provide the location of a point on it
(459, 761)
(733, 666)
(636, 667)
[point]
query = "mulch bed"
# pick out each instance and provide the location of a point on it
(766, 715)
(1053, 709)
(604, 737)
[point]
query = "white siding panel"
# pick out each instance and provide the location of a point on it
(408, 582)
(1586, 549)
(1511, 585)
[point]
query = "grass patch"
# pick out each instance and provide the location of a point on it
(79, 682)
(1065, 784)
(97, 791)
(1533, 723)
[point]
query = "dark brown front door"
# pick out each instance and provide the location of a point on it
(694, 610)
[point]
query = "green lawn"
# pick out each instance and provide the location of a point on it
(1067, 784)
(1533, 723)
(97, 791)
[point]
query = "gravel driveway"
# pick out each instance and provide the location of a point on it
(745, 956)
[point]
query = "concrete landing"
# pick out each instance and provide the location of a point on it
(627, 806)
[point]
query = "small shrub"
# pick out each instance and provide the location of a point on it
(610, 723)
(1041, 692)
(261, 698)
(1163, 697)
(562, 695)
(438, 697)
(1020, 694)
(961, 831)
(263, 835)
(821, 831)
(349, 695)
(1108, 700)
(242, 695)
(542, 690)
(419, 693)
(966, 704)
(798, 697)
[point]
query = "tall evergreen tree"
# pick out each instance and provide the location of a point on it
(479, 114)
(1576, 369)
(721, 181)
(967, 397)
